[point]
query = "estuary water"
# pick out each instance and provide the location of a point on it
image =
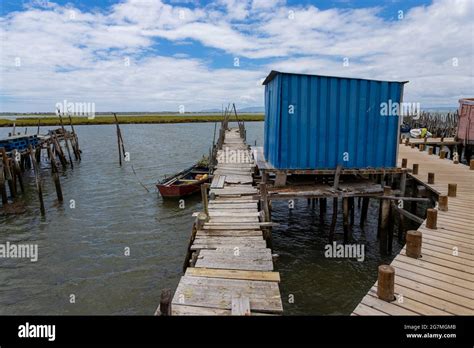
(112, 245)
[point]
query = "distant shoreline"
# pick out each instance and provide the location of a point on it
(139, 119)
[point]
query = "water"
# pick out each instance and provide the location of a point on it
(82, 249)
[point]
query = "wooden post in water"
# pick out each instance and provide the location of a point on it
(333, 220)
(3, 188)
(386, 283)
(351, 210)
(38, 180)
(118, 139)
(442, 154)
(58, 150)
(415, 169)
(363, 213)
(345, 218)
(66, 139)
(471, 164)
(165, 302)
(430, 150)
(413, 245)
(322, 207)
(384, 221)
(404, 162)
(16, 156)
(77, 151)
(8, 172)
(55, 175)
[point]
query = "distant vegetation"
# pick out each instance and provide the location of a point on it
(48, 120)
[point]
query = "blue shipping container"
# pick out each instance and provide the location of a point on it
(319, 122)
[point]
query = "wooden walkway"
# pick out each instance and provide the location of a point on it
(439, 283)
(233, 273)
(433, 141)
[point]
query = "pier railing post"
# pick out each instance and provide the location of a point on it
(386, 283)
(443, 203)
(452, 188)
(205, 202)
(413, 245)
(431, 219)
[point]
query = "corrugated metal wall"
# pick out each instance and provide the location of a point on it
(335, 121)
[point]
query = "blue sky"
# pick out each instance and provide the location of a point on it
(152, 55)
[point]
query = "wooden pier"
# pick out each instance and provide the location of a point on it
(441, 281)
(19, 153)
(229, 268)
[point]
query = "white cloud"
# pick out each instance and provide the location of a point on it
(82, 58)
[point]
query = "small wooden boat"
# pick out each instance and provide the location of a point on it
(184, 183)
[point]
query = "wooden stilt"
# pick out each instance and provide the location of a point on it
(345, 217)
(38, 181)
(333, 220)
(351, 210)
(322, 207)
(55, 175)
(165, 302)
(384, 221)
(3, 189)
(363, 213)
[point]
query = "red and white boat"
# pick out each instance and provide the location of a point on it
(184, 183)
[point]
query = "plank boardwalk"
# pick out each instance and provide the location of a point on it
(442, 281)
(233, 273)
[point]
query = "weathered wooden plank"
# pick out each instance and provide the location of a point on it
(233, 274)
(240, 306)
(218, 293)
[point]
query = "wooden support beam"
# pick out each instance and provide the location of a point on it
(384, 222)
(165, 302)
(336, 177)
(407, 214)
(363, 213)
(333, 220)
(345, 217)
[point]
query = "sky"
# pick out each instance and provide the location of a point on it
(157, 55)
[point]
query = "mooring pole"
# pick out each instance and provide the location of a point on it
(38, 181)
(55, 175)
(65, 134)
